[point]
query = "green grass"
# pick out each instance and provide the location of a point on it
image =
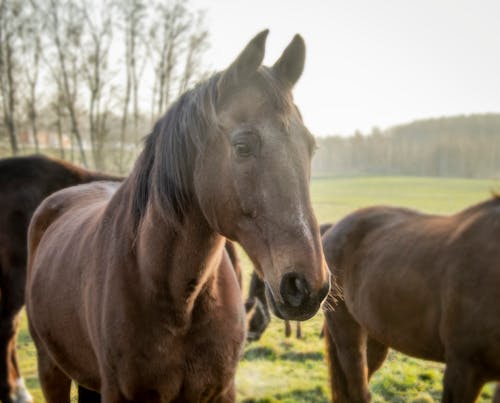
(277, 369)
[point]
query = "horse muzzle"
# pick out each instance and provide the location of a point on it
(296, 301)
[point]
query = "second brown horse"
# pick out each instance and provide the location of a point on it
(425, 285)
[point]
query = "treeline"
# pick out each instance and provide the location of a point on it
(85, 79)
(465, 146)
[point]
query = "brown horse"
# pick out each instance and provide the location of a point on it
(258, 316)
(24, 183)
(129, 291)
(425, 285)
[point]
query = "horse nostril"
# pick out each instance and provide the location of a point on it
(294, 289)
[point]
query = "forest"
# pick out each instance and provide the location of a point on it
(458, 146)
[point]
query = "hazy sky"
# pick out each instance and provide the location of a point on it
(372, 62)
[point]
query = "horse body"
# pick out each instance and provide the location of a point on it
(24, 183)
(425, 285)
(105, 339)
(151, 297)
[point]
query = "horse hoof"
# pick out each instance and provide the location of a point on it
(21, 394)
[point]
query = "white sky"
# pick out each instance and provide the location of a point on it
(372, 62)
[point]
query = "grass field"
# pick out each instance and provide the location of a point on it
(277, 369)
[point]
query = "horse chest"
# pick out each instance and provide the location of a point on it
(187, 368)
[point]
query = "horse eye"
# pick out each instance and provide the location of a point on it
(245, 143)
(243, 149)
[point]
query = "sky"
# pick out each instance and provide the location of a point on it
(372, 62)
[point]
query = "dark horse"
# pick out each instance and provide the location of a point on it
(425, 285)
(258, 316)
(24, 183)
(129, 292)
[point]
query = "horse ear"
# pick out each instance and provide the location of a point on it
(248, 60)
(290, 65)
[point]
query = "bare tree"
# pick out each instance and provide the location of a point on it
(98, 30)
(64, 26)
(69, 46)
(174, 23)
(29, 33)
(9, 15)
(178, 39)
(132, 13)
(197, 45)
(58, 108)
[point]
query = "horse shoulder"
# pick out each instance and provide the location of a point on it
(342, 243)
(61, 202)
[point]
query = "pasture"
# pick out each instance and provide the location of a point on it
(276, 369)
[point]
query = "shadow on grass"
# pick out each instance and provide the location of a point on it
(300, 357)
(260, 353)
(268, 353)
(315, 395)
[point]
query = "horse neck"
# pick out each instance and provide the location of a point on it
(176, 264)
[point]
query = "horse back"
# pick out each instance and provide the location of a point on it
(342, 240)
(24, 183)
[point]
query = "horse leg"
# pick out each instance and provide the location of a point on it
(348, 366)
(376, 354)
(496, 394)
(322, 333)
(299, 330)
(7, 386)
(88, 396)
(338, 382)
(12, 291)
(288, 329)
(56, 386)
(462, 383)
(22, 395)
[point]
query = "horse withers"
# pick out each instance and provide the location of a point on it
(129, 292)
(24, 183)
(425, 285)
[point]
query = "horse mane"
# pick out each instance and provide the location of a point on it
(163, 173)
